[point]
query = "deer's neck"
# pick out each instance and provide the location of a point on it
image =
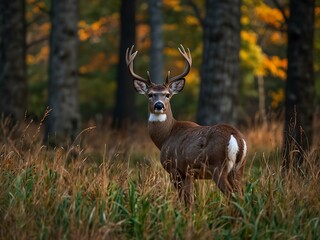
(160, 126)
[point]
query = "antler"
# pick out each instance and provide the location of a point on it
(188, 58)
(130, 55)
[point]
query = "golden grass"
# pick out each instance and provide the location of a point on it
(110, 185)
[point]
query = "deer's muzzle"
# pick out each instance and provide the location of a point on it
(158, 106)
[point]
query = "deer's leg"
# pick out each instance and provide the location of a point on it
(184, 185)
(235, 177)
(220, 177)
(175, 177)
(188, 189)
(178, 181)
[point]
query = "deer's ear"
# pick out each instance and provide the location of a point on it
(140, 87)
(177, 86)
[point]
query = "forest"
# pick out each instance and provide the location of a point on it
(76, 160)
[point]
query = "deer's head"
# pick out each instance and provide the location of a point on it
(159, 95)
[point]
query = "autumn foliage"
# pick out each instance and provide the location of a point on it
(262, 50)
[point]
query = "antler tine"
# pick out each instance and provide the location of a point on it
(185, 54)
(130, 55)
(188, 58)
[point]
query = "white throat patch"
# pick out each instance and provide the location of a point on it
(157, 117)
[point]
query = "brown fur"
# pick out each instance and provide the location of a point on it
(189, 151)
(197, 152)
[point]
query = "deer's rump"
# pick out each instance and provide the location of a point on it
(200, 150)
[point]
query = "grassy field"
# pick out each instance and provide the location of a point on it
(111, 186)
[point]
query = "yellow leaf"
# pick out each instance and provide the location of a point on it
(193, 77)
(250, 53)
(83, 35)
(43, 54)
(277, 38)
(269, 15)
(277, 98)
(245, 20)
(30, 59)
(250, 37)
(95, 26)
(276, 66)
(82, 24)
(191, 20)
(171, 52)
(173, 4)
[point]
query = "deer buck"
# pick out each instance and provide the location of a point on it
(190, 151)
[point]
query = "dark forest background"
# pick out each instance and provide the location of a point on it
(254, 61)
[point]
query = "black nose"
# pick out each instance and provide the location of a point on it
(159, 106)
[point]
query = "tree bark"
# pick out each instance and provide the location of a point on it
(220, 62)
(300, 84)
(156, 55)
(13, 80)
(125, 108)
(64, 119)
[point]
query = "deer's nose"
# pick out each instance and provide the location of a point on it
(158, 106)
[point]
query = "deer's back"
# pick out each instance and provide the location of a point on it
(199, 147)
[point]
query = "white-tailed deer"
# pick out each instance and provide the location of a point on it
(190, 151)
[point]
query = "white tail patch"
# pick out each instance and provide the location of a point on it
(157, 117)
(244, 152)
(233, 149)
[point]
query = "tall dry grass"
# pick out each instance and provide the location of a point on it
(110, 185)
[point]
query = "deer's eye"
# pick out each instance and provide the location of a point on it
(167, 95)
(150, 95)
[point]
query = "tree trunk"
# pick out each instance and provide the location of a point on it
(64, 119)
(13, 80)
(300, 84)
(156, 55)
(124, 108)
(220, 63)
(262, 101)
